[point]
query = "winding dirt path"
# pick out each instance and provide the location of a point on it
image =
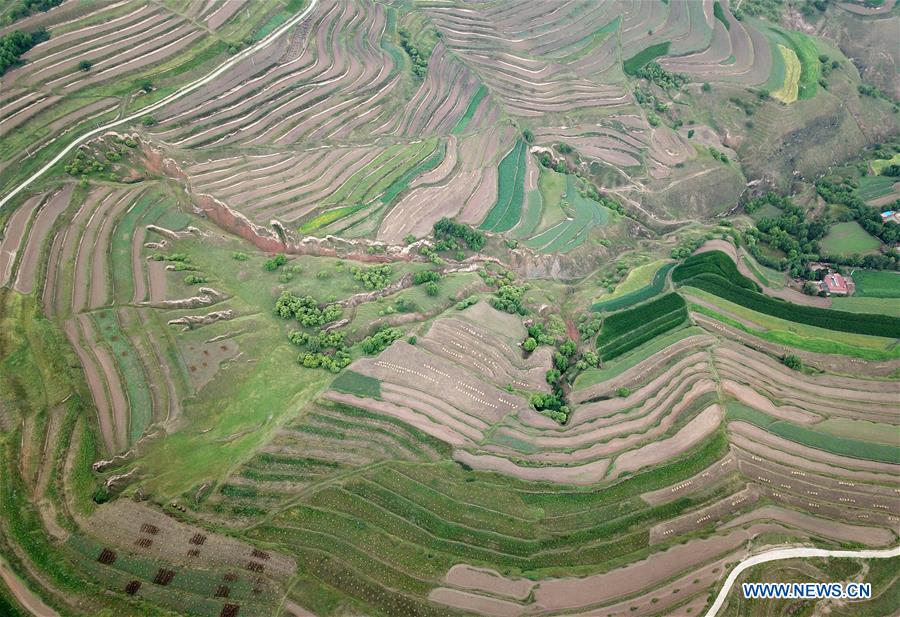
(27, 598)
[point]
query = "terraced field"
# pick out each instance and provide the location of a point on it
(436, 309)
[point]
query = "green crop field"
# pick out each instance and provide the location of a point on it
(876, 283)
(873, 187)
(623, 331)
(707, 274)
(510, 192)
(645, 56)
(463, 122)
(848, 239)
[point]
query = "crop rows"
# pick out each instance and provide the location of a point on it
(625, 330)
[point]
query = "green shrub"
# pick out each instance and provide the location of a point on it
(380, 341)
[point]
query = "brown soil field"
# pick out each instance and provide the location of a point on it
(696, 583)
(841, 504)
(760, 436)
(14, 234)
(40, 229)
(487, 581)
(710, 515)
(96, 385)
(565, 594)
(861, 388)
(665, 449)
(749, 396)
(753, 448)
(120, 522)
(588, 473)
(694, 365)
(111, 382)
(474, 603)
(869, 536)
(866, 494)
(603, 441)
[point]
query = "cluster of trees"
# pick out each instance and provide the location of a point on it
(180, 262)
(791, 232)
(194, 279)
(379, 341)
(688, 245)
(326, 350)
(509, 298)
(869, 218)
(550, 404)
(418, 59)
(464, 304)
(275, 262)
(24, 8)
(589, 326)
(306, 310)
(374, 277)
(656, 74)
(16, 43)
(429, 278)
(448, 228)
(537, 335)
(719, 155)
(83, 163)
(426, 276)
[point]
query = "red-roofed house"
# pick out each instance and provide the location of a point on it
(834, 283)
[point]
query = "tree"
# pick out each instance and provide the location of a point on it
(623, 392)
(148, 120)
(530, 344)
(409, 238)
(431, 288)
(552, 376)
(85, 65)
(792, 361)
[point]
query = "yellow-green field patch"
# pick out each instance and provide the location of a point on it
(791, 86)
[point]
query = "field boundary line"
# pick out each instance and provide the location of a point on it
(792, 553)
(202, 81)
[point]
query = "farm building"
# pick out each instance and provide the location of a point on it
(890, 215)
(835, 284)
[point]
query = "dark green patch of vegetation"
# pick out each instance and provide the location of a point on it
(352, 382)
(16, 43)
(666, 80)
(633, 64)
(622, 332)
(448, 228)
(712, 262)
(719, 14)
(731, 288)
(374, 277)
(380, 341)
(306, 310)
(417, 57)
